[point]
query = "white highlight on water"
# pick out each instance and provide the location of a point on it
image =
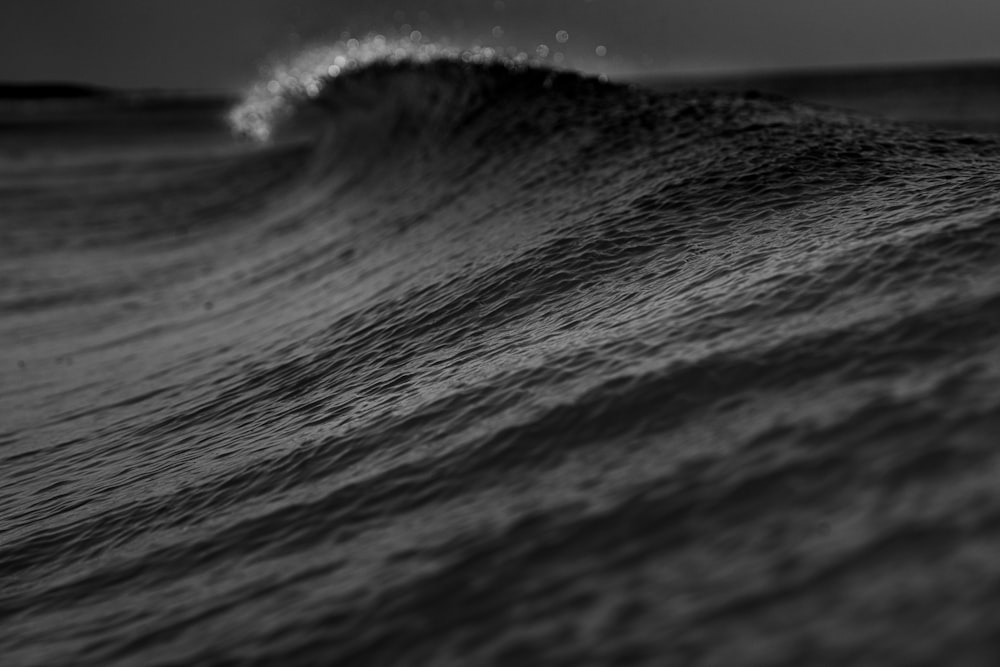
(274, 96)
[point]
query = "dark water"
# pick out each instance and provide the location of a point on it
(505, 367)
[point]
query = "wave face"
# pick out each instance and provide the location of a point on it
(505, 366)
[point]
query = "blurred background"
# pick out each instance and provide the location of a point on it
(220, 44)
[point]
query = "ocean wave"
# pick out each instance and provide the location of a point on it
(477, 361)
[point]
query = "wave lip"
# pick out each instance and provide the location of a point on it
(273, 99)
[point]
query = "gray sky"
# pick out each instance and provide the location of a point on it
(220, 43)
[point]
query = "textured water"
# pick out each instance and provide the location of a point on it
(501, 367)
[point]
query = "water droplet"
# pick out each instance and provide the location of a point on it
(497, 31)
(542, 51)
(562, 36)
(601, 51)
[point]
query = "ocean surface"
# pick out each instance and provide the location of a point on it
(481, 364)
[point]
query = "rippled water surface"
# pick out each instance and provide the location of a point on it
(502, 366)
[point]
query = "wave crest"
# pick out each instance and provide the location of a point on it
(287, 85)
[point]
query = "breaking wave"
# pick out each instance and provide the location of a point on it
(479, 362)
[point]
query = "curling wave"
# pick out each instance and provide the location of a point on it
(488, 363)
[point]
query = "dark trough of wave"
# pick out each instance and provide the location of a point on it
(501, 367)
